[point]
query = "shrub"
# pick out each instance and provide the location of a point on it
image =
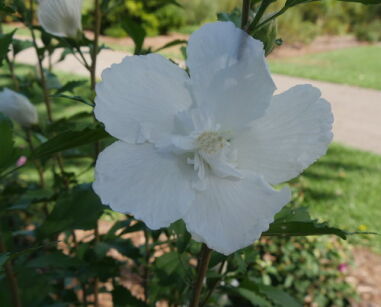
(312, 269)
(369, 32)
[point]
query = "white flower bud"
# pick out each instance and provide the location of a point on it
(18, 108)
(61, 17)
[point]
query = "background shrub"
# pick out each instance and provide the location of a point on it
(312, 269)
(323, 17)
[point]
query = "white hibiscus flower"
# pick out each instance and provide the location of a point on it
(18, 107)
(61, 17)
(206, 147)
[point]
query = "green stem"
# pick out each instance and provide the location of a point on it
(15, 291)
(45, 90)
(11, 67)
(214, 286)
(245, 13)
(96, 280)
(93, 80)
(37, 163)
(146, 265)
(258, 15)
(94, 51)
(203, 264)
(280, 12)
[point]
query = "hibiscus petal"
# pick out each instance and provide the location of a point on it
(295, 131)
(138, 98)
(61, 17)
(154, 187)
(229, 74)
(232, 214)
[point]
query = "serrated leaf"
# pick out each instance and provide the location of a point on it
(79, 208)
(172, 44)
(74, 98)
(70, 86)
(310, 228)
(297, 222)
(70, 139)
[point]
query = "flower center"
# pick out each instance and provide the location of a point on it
(210, 142)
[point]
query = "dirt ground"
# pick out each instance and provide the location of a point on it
(320, 44)
(366, 276)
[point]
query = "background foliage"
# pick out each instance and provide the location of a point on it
(322, 17)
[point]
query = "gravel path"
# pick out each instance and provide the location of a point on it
(357, 111)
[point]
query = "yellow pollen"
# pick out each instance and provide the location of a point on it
(210, 142)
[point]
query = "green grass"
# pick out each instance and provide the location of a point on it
(23, 31)
(359, 66)
(344, 188)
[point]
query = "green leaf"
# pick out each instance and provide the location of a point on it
(136, 32)
(168, 262)
(123, 246)
(183, 236)
(70, 86)
(52, 80)
(75, 98)
(5, 42)
(20, 45)
(122, 297)
(54, 260)
(35, 287)
(254, 298)
(32, 196)
(172, 43)
(70, 139)
(79, 208)
(4, 257)
(234, 17)
(278, 296)
(7, 151)
(297, 222)
(6, 9)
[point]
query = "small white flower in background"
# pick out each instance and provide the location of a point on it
(206, 148)
(61, 17)
(18, 108)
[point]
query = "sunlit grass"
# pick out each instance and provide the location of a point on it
(343, 188)
(359, 66)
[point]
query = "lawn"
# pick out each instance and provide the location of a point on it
(343, 188)
(359, 66)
